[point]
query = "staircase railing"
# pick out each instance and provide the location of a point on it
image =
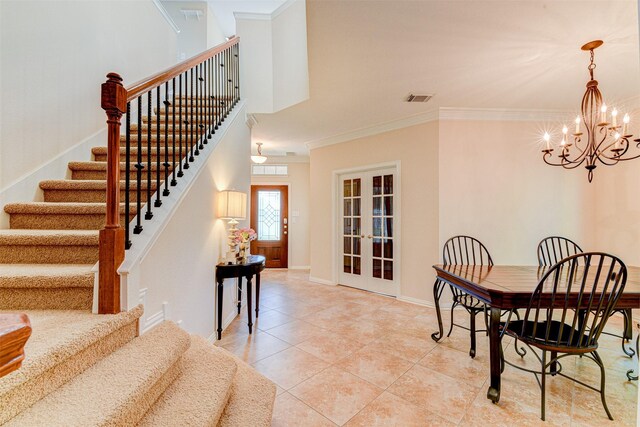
(190, 101)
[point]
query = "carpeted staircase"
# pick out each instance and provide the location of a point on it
(84, 369)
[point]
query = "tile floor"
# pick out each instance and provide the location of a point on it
(341, 356)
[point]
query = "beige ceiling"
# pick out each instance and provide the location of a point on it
(366, 56)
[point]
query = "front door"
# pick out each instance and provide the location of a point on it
(269, 217)
(368, 232)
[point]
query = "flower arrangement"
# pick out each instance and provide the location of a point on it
(244, 235)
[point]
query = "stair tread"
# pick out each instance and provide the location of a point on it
(251, 400)
(68, 208)
(48, 237)
(198, 396)
(102, 166)
(45, 275)
(114, 390)
(60, 334)
(86, 184)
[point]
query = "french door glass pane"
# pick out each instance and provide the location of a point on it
(388, 270)
(347, 245)
(356, 265)
(377, 248)
(356, 245)
(377, 185)
(347, 188)
(356, 187)
(356, 207)
(388, 184)
(351, 226)
(388, 248)
(377, 268)
(347, 264)
(347, 207)
(388, 205)
(269, 215)
(377, 206)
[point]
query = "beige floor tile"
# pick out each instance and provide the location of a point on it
(377, 367)
(509, 413)
(588, 409)
(405, 346)
(405, 308)
(436, 392)
(256, 346)
(457, 364)
(301, 309)
(330, 347)
(271, 319)
(290, 412)
(297, 331)
(336, 394)
(389, 410)
(290, 367)
(358, 330)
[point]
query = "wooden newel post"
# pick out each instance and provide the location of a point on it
(114, 103)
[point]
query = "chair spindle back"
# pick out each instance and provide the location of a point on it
(555, 248)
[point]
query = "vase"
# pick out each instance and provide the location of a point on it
(243, 252)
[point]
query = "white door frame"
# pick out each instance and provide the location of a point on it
(336, 206)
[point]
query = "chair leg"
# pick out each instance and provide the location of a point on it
(627, 333)
(553, 369)
(543, 383)
(502, 364)
(472, 327)
(598, 361)
(451, 327)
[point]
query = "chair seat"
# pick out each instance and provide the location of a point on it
(552, 342)
(468, 301)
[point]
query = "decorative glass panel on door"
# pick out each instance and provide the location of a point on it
(382, 226)
(351, 226)
(269, 215)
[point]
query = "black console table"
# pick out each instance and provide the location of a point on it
(253, 267)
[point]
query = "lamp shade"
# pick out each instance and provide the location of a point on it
(232, 205)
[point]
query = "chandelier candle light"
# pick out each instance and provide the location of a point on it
(605, 141)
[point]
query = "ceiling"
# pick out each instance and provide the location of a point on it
(365, 57)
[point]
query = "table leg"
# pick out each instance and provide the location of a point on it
(494, 353)
(220, 298)
(249, 314)
(257, 294)
(239, 293)
(438, 286)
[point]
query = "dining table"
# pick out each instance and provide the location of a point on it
(508, 287)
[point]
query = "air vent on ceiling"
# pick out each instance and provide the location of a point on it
(419, 98)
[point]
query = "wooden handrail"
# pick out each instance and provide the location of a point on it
(15, 330)
(157, 79)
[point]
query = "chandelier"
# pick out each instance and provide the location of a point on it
(604, 139)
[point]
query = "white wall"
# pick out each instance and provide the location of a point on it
(179, 267)
(274, 57)
(53, 58)
(196, 35)
(299, 199)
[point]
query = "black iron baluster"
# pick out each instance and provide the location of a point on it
(138, 227)
(180, 173)
(127, 179)
(158, 202)
(166, 163)
(191, 144)
(201, 102)
(173, 131)
(209, 100)
(238, 71)
(236, 68)
(216, 94)
(149, 214)
(221, 95)
(197, 115)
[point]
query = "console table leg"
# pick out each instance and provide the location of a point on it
(239, 293)
(257, 294)
(220, 298)
(249, 314)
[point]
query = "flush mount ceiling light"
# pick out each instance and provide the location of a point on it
(259, 158)
(605, 141)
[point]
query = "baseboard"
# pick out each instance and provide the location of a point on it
(321, 281)
(422, 302)
(300, 267)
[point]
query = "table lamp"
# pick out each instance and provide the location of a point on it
(232, 206)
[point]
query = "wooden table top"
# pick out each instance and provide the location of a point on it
(509, 286)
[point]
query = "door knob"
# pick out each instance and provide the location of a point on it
(362, 236)
(369, 236)
(285, 232)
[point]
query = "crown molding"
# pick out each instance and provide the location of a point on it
(417, 119)
(498, 114)
(265, 16)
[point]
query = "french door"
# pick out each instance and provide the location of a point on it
(269, 211)
(368, 232)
